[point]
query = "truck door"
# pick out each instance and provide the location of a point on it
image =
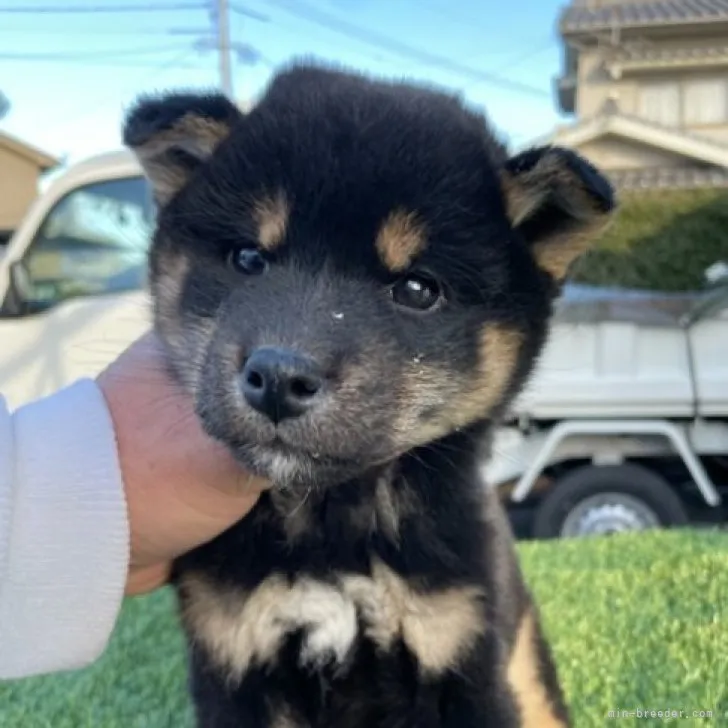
(78, 295)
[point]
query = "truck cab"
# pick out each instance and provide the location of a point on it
(73, 277)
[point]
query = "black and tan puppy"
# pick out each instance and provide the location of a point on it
(353, 280)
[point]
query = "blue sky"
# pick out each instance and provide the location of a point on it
(69, 75)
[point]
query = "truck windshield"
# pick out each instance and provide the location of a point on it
(93, 241)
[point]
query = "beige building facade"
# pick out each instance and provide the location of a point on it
(647, 83)
(21, 165)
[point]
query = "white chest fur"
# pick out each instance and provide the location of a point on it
(241, 629)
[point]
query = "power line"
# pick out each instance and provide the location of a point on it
(291, 27)
(79, 9)
(458, 18)
(525, 56)
(513, 62)
(319, 17)
(96, 63)
(248, 13)
(219, 11)
(156, 72)
(85, 55)
(66, 32)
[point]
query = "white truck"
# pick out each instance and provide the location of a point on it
(623, 427)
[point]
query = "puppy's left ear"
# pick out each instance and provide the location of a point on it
(559, 202)
(173, 134)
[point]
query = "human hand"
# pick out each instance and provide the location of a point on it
(182, 488)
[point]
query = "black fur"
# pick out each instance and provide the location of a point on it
(346, 152)
(379, 689)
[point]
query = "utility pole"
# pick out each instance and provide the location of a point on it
(218, 39)
(223, 45)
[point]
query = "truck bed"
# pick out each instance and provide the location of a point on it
(625, 354)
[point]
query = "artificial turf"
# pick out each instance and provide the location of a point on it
(636, 621)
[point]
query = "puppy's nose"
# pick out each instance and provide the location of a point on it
(280, 383)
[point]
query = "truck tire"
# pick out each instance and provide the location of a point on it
(607, 499)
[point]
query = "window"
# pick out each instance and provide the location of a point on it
(660, 102)
(94, 241)
(691, 102)
(705, 101)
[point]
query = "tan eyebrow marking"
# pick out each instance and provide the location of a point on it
(400, 238)
(271, 216)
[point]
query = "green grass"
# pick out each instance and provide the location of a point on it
(639, 620)
(660, 240)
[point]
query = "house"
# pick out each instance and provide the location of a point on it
(647, 83)
(21, 165)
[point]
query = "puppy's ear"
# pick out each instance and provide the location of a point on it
(173, 134)
(559, 202)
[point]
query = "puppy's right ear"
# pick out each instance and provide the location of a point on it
(173, 134)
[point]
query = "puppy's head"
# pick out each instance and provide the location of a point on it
(354, 268)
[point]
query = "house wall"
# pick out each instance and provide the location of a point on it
(613, 153)
(18, 187)
(596, 85)
(718, 133)
(673, 98)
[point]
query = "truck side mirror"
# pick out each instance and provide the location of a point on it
(19, 279)
(25, 297)
(19, 290)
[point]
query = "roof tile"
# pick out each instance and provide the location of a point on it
(659, 12)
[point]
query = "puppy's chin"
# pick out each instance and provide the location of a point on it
(296, 454)
(295, 468)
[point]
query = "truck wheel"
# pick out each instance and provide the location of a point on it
(608, 499)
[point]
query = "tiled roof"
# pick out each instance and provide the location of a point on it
(669, 178)
(659, 12)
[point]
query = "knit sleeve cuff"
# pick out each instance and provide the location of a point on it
(64, 534)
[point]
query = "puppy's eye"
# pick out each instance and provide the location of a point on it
(419, 292)
(248, 261)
